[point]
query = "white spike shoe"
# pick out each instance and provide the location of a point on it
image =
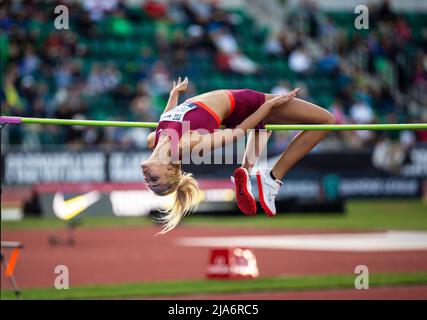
(267, 189)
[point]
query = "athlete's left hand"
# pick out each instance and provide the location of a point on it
(282, 99)
(180, 85)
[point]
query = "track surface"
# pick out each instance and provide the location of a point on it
(136, 254)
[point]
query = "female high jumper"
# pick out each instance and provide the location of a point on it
(193, 124)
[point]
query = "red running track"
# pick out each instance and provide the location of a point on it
(135, 254)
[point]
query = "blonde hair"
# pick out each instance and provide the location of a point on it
(186, 198)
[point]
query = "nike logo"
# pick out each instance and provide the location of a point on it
(68, 209)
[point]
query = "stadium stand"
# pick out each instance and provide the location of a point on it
(118, 62)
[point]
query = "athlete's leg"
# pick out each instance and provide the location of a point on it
(295, 111)
(300, 112)
(257, 140)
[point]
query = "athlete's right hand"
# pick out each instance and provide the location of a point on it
(280, 100)
(179, 85)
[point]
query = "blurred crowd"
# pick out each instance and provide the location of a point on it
(44, 77)
(374, 77)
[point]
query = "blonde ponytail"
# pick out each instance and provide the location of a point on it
(186, 200)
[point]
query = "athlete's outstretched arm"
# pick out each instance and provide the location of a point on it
(177, 87)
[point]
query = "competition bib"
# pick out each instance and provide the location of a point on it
(177, 114)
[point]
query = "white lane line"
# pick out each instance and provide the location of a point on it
(358, 242)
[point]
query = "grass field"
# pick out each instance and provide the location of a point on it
(170, 288)
(376, 214)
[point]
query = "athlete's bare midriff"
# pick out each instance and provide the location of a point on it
(217, 100)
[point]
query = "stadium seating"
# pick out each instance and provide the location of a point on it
(119, 40)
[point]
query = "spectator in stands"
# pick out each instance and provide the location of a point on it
(14, 104)
(47, 68)
(384, 12)
(159, 79)
(30, 61)
(103, 78)
(282, 86)
(98, 8)
(120, 25)
(6, 22)
(402, 29)
(328, 62)
(111, 77)
(229, 55)
(122, 95)
(28, 90)
(155, 9)
(179, 49)
(273, 46)
(141, 105)
(240, 63)
(95, 81)
(224, 41)
(361, 112)
(328, 29)
(198, 41)
(200, 11)
(63, 75)
(300, 61)
(337, 110)
(385, 102)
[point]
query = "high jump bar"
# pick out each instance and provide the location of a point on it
(273, 127)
